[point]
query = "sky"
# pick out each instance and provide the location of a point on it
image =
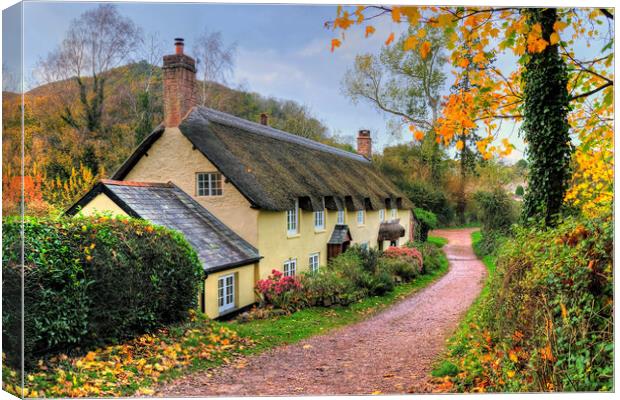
(283, 51)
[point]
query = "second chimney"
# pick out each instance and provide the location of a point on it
(264, 119)
(179, 85)
(364, 143)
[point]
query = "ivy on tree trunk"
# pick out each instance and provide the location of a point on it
(545, 126)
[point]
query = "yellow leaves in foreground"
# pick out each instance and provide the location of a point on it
(131, 368)
(410, 43)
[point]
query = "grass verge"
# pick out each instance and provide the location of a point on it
(437, 241)
(445, 367)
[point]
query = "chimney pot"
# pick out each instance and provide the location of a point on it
(264, 119)
(178, 45)
(179, 85)
(364, 143)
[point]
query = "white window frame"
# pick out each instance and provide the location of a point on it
(361, 217)
(394, 213)
(313, 262)
(319, 220)
(226, 292)
(340, 217)
(292, 220)
(211, 179)
(290, 267)
(382, 215)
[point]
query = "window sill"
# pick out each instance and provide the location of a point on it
(293, 236)
(322, 230)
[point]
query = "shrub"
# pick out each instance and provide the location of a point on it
(519, 191)
(328, 287)
(404, 262)
(429, 197)
(431, 255)
(279, 291)
(553, 289)
(497, 214)
(90, 281)
(427, 220)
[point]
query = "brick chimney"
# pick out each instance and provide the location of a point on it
(364, 143)
(264, 119)
(179, 85)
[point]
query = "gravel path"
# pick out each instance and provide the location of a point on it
(392, 352)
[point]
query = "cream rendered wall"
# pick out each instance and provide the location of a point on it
(244, 289)
(102, 203)
(276, 246)
(172, 158)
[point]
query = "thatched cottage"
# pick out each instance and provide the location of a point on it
(248, 197)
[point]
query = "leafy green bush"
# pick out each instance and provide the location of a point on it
(428, 221)
(328, 287)
(431, 255)
(430, 197)
(403, 270)
(519, 191)
(497, 213)
(94, 280)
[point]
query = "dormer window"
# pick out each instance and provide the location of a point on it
(292, 220)
(340, 218)
(360, 217)
(394, 213)
(208, 184)
(319, 220)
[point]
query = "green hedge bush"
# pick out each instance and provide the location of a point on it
(90, 281)
(428, 221)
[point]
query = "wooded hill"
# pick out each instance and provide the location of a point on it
(63, 158)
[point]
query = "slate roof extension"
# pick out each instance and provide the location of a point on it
(165, 204)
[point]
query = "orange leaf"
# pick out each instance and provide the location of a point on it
(390, 39)
(335, 43)
(396, 14)
(460, 145)
(410, 43)
(425, 49)
(369, 30)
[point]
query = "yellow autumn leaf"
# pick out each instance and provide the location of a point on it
(460, 145)
(410, 43)
(425, 49)
(554, 38)
(390, 39)
(375, 392)
(510, 374)
(396, 14)
(513, 356)
(421, 33)
(463, 63)
(369, 30)
(559, 26)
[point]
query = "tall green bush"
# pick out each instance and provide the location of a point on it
(90, 281)
(497, 213)
(428, 221)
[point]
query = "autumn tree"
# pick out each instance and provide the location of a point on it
(404, 82)
(97, 41)
(215, 61)
(497, 95)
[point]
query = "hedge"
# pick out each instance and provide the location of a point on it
(90, 281)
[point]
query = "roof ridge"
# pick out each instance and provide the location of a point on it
(259, 129)
(134, 183)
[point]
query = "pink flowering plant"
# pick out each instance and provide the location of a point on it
(279, 291)
(405, 254)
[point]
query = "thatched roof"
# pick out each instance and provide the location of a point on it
(272, 168)
(164, 204)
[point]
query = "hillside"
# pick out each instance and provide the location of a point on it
(64, 157)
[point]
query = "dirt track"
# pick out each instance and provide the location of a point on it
(392, 352)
